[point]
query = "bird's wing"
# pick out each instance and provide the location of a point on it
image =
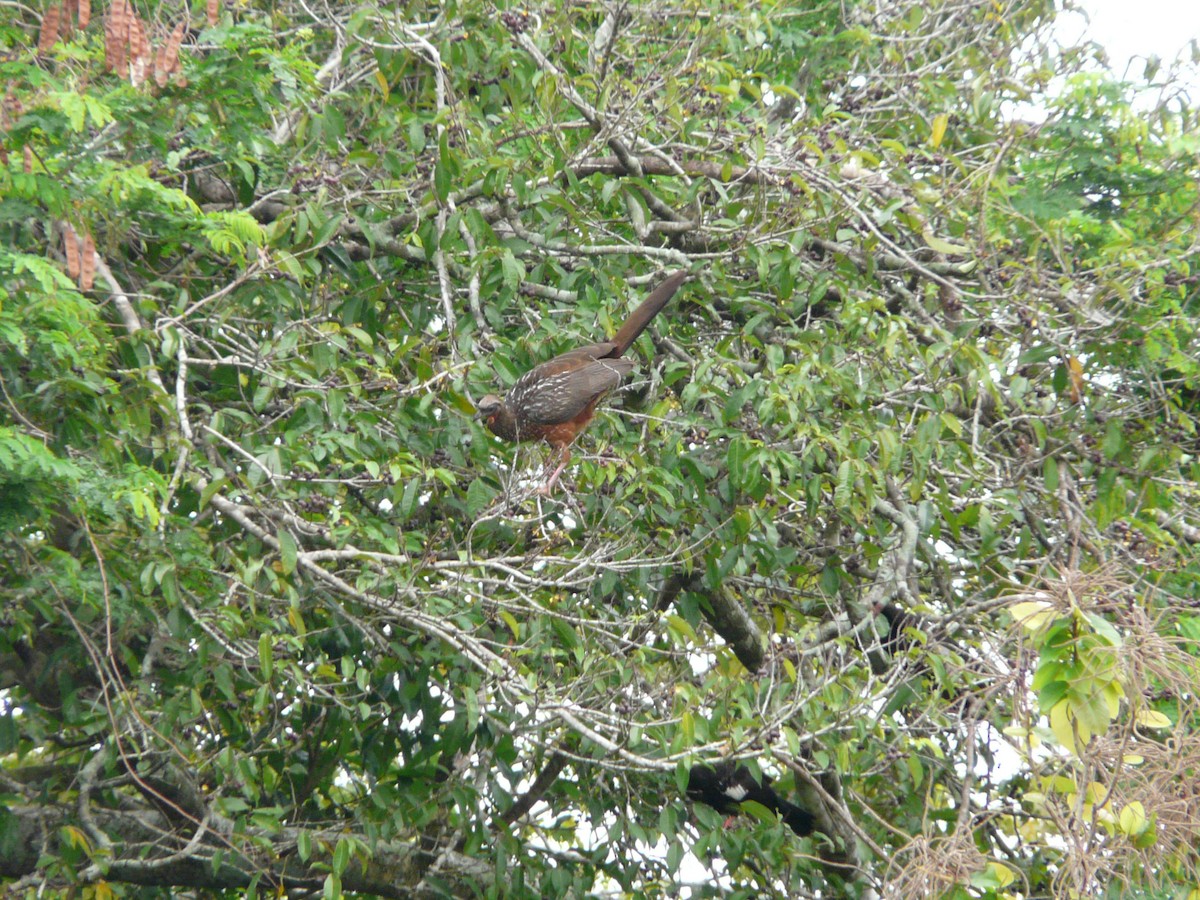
(566, 386)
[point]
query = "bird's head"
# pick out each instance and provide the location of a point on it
(495, 414)
(488, 407)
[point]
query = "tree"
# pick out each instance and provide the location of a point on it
(281, 616)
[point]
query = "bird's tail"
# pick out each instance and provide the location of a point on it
(649, 308)
(797, 818)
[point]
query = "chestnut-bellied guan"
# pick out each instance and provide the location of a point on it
(556, 400)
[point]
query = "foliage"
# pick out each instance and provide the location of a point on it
(281, 616)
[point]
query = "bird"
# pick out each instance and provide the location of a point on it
(904, 627)
(556, 400)
(908, 629)
(904, 630)
(727, 785)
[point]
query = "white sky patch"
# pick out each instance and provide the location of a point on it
(692, 873)
(701, 661)
(1133, 32)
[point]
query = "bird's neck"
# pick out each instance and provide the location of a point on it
(504, 424)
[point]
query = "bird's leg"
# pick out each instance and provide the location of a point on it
(548, 487)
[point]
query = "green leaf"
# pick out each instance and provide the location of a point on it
(513, 625)
(288, 552)
(1104, 629)
(443, 181)
(1114, 439)
(1032, 615)
(1133, 820)
(479, 497)
(416, 136)
(341, 856)
(1050, 474)
(940, 246)
(1149, 718)
(304, 844)
(843, 492)
(266, 658)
